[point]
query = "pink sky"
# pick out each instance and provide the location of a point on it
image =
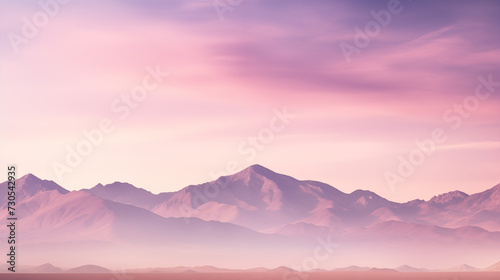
(352, 120)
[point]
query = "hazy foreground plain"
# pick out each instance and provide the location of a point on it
(262, 276)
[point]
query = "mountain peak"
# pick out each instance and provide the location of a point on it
(259, 169)
(116, 186)
(449, 198)
(461, 268)
(126, 193)
(255, 169)
(29, 177)
(32, 184)
(363, 193)
(90, 268)
(46, 268)
(28, 186)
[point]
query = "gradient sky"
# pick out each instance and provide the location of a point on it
(226, 77)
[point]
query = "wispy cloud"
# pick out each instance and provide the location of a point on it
(226, 76)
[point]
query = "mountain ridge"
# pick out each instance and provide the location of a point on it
(262, 199)
(273, 211)
(258, 169)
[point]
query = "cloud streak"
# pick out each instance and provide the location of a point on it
(227, 76)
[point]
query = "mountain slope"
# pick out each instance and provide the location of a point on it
(261, 199)
(127, 194)
(257, 212)
(78, 215)
(45, 268)
(266, 201)
(28, 186)
(493, 267)
(486, 200)
(68, 229)
(88, 269)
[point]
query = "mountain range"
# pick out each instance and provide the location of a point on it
(49, 268)
(253, 218)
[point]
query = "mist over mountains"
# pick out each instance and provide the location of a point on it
(253, 218)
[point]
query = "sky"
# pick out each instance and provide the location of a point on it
(165, 94)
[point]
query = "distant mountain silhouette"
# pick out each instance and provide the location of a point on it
(258, 211)
(88, 269)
